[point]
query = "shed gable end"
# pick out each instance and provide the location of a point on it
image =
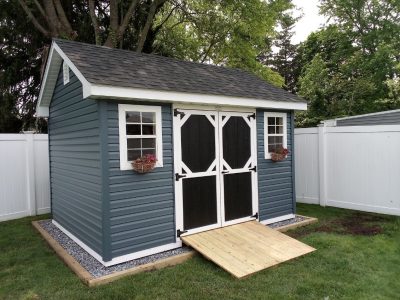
(74, 149)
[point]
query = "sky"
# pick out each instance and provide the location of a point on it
(310, 21)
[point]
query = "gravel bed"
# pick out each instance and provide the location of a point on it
(294, 220)
(93, 266)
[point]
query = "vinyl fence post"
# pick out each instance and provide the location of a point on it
(322, 164)
(30, 172)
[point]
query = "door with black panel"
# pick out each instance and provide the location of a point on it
(238, 166)
(197, 169)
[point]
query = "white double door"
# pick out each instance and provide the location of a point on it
(215, 168)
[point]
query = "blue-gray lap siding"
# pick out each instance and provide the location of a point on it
(275, 179)
(141, 206)
(74, 150)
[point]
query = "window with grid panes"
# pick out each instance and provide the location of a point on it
(275, 132)
(140, 133)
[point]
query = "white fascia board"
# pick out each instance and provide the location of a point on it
(42, 111)
(39, 111)
(47, 88)
(121, 93)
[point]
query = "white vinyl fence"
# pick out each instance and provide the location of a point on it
(24, 175)
(355, 167)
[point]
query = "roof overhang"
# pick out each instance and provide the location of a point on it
(93, 91)
(121, 93)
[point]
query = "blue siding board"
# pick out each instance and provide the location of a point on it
(74, 146)
(275, 179)
(141, 206)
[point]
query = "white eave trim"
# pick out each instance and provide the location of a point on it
(47, 87)
(105, 91)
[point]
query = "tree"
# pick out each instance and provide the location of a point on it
(283, 60)
(222, 32)
(359, 53)
(230, 33)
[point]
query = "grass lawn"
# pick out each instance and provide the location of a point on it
(357, 257)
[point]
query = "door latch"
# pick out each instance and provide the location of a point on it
(253, 169)
(178, 176)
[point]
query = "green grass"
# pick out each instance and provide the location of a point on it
(345, 266)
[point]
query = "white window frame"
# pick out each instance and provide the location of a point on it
(123, 147)
(266, 135)
(65, 72)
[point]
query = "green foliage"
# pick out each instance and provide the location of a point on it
(283, 61)
(224, 32)
(358, 55)
(230, 33)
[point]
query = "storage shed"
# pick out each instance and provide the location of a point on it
(212, 130)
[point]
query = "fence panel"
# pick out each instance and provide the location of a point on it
(358, 167)
(24, 175)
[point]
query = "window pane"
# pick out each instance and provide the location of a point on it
(132, 116)
(134, 143)
(279, 121)
(134, 154)
(132, 129)
(278, 140)
(271, 129)
(271, 140)
(271, 148)
(148, 129)
(149, 151)
(148, 143)
(271, 120)
(279, 129)
(148, 117)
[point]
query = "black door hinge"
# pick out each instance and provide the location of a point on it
(255, 215)
(177, 112)
(179, 176)
(180, 232)
(253, 169)
(252, 116)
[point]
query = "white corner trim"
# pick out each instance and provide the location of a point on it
(103, 91)
(118, 259)
(79, 242)
(283, 115)
(122, 108)
(278, 219)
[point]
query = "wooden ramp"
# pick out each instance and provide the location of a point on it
(246, 248)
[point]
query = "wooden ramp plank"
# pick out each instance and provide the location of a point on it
(246, 248)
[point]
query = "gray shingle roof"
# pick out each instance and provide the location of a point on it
(122, 68)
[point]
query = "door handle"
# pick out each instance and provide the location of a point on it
(178, 176)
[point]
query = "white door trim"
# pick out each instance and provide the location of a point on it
(208, 111)
(179, 165)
